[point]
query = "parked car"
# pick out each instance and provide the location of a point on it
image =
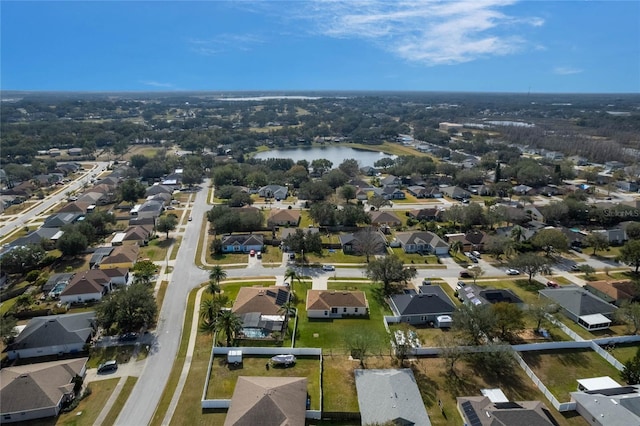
(190, 218)
(426, 282)
(252, 253)
(292, 256)
(128, 337)
(575, 267)
(552, 284)
(511, 271)
(460, 285)
(259, 255)
(476, 254)
(108, 366)
(465, 274)
(328, 268)
(473, 259)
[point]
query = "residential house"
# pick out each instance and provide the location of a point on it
(76, 207)
(46, 236)
(158, 189)
(92, 197)
(385, 218)
(121, 257)
(139, 234)
(153, 207)
(422, 242)
(390, 396)
(278, 192)
(574, 236)
(614, 165)
(260, 309)
(615, 236)
(369, 171)
(391, 180)
(610, 406)
(428, 214)
(242, 243)
(456, 192)
(336, 304)
(475, 295)
(58, 220)
(67, 168)
(53, 335)
(352, 243)
(418, 191)
(483, 411)
(522, 190)
(389, 192)
(163, 198)
(473, 240)
(36, 391)
(283, 217)
(615, 292)
(268, 401)
(581, 306)
(423, 307)
(92, 285)
(579, 161)
(142, 220)
(98, 254)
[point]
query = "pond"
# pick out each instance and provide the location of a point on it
(335, 154)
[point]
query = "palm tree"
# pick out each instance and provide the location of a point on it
(229, 323)
(210, 308)
(217, 275)
(292, 275)
(213, 287)
(517, 233)
(456, 247)
(288, 309)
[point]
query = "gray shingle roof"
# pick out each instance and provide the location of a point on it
(390, 396)
(578, 301)
(431, 300)
(55, 330)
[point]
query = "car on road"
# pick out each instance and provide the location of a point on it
(108, 366)
(328, 268)
(128, 337)
(465, 274)
(552, 284)
(512, 271)
(252, 253)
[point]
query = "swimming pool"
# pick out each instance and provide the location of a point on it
(255, 333)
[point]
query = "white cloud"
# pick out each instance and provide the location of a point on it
(153, 83)
(223, 43)
(429, 32)
(566, 70)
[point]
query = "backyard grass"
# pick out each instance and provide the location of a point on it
(625, 352)
(331, 333)
(178, 363)
(120, 401)
(224, 378)
(91, 406)
(528, 292)
(560, 369)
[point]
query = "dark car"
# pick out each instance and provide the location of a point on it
(465, 274)
(552, 284)
(128, 337)
(108, 366)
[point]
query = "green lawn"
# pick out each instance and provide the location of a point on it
(415, 258)
(338, 256)
(157, 249)
(559, 370)
(224, 378)
(528, 292)
(120, 401)
(91, 406)
(625, 352)
(122, 354)
(331, 333)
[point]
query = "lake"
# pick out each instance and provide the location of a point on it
(335, 154)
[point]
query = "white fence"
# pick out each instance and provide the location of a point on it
(248, 350)
(225, 403)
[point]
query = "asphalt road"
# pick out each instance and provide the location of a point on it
(48, 202)
(146, 394)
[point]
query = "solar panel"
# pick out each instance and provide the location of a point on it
(470, 413)
(507, 405)
(271, 293)
(282, 297)
(622, 390)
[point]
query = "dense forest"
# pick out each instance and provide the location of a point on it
(598, 127)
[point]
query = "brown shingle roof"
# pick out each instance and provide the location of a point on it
(268, 401)
(617, 290)
(122, 254)
(327, 299)
(260, 299)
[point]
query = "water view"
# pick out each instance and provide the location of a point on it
(335, 154)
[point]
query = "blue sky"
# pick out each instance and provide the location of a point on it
(476, 45)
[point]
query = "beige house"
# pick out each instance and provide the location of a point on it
(336, 304)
